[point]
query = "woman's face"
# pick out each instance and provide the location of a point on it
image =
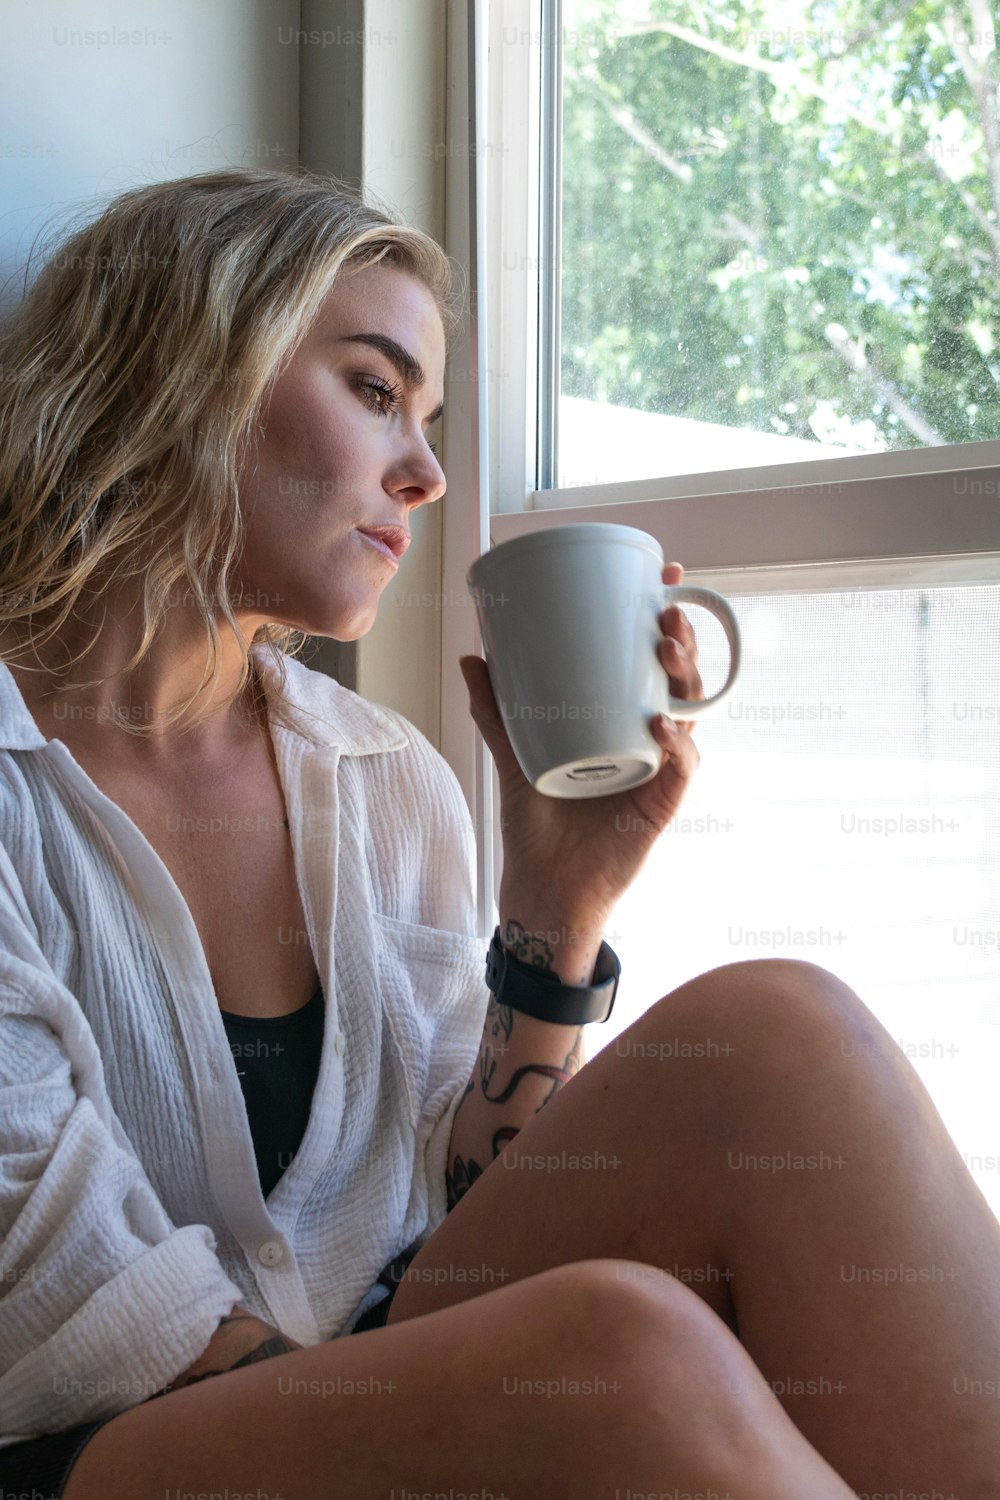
(343, 448)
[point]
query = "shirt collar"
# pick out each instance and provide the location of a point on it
(18, 730)
(322, 710)
(313, 705)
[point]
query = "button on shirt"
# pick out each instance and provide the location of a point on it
(131, 1212)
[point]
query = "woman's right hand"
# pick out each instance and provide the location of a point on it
(240, 1339)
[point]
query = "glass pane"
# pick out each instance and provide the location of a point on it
(779, 233)
(847, 812)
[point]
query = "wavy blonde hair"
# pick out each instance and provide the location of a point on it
(132, 379)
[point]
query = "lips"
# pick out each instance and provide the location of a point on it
(396, 538)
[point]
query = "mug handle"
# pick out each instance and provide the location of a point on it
(686, 593)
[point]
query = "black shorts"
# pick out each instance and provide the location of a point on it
(39, 1468)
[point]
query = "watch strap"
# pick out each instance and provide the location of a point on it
(537, 993)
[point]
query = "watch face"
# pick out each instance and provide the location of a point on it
(535, 993)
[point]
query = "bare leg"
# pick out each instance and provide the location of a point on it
(759, 1135)
(514, 1395)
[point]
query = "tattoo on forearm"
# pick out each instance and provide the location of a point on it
(497, 1028)
(558, 1075)
(461, 1179)
(497, 1031)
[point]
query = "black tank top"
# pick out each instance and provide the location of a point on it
(277, 1061)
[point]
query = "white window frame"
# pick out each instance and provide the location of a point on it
(917, 504)
(927, 516)
(465, 457)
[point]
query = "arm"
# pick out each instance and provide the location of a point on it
(99, 1284)
(240, 1339)
(522, 1061)
(561, 857)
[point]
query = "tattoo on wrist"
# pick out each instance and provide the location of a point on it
(268, 1349)
(271, 1347)
(496, 1033)
(528, 947)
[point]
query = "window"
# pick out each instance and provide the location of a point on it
(847, 812)
(742, 281)
(779, 234)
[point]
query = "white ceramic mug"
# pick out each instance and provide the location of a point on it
(569, 622)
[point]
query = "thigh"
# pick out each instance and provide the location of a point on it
(613, 1165)
(392, 1410)
(571, 1382)
(760, 1124)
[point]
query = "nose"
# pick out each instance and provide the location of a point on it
(417, 478)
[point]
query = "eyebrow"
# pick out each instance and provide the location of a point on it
(410, 369)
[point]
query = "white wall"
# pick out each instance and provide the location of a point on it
(97, 97)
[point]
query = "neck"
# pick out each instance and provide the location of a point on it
(76, 687)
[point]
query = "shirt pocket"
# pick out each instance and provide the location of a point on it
(433, 996)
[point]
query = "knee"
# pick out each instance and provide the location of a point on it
(620, 1308)
(659, 1346)
(784, 1018)
(786, 984)
(771, 998)
(629, 1314)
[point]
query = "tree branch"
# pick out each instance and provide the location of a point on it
(733, 227)
(854, 357)
(869, 33)
(786, 76)
(625, 120)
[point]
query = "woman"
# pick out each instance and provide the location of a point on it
(214, 430)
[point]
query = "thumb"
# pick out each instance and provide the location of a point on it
(484, 710)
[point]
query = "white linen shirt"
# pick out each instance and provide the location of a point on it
(131, 1213)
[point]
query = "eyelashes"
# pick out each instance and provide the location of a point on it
(374, 387)
(382, 396)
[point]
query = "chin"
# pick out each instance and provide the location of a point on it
(340, 629)
(342, 623)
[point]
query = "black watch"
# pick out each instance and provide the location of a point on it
(537, 993)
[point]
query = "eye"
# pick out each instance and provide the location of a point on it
(380, 395)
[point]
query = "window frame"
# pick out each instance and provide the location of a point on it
(917, 503)
(919, 517)
(465, 446)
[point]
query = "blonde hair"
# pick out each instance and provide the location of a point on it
(133, 375)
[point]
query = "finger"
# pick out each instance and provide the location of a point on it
(682, 752)
(673, 621)
(682, 671)
(486, 713)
